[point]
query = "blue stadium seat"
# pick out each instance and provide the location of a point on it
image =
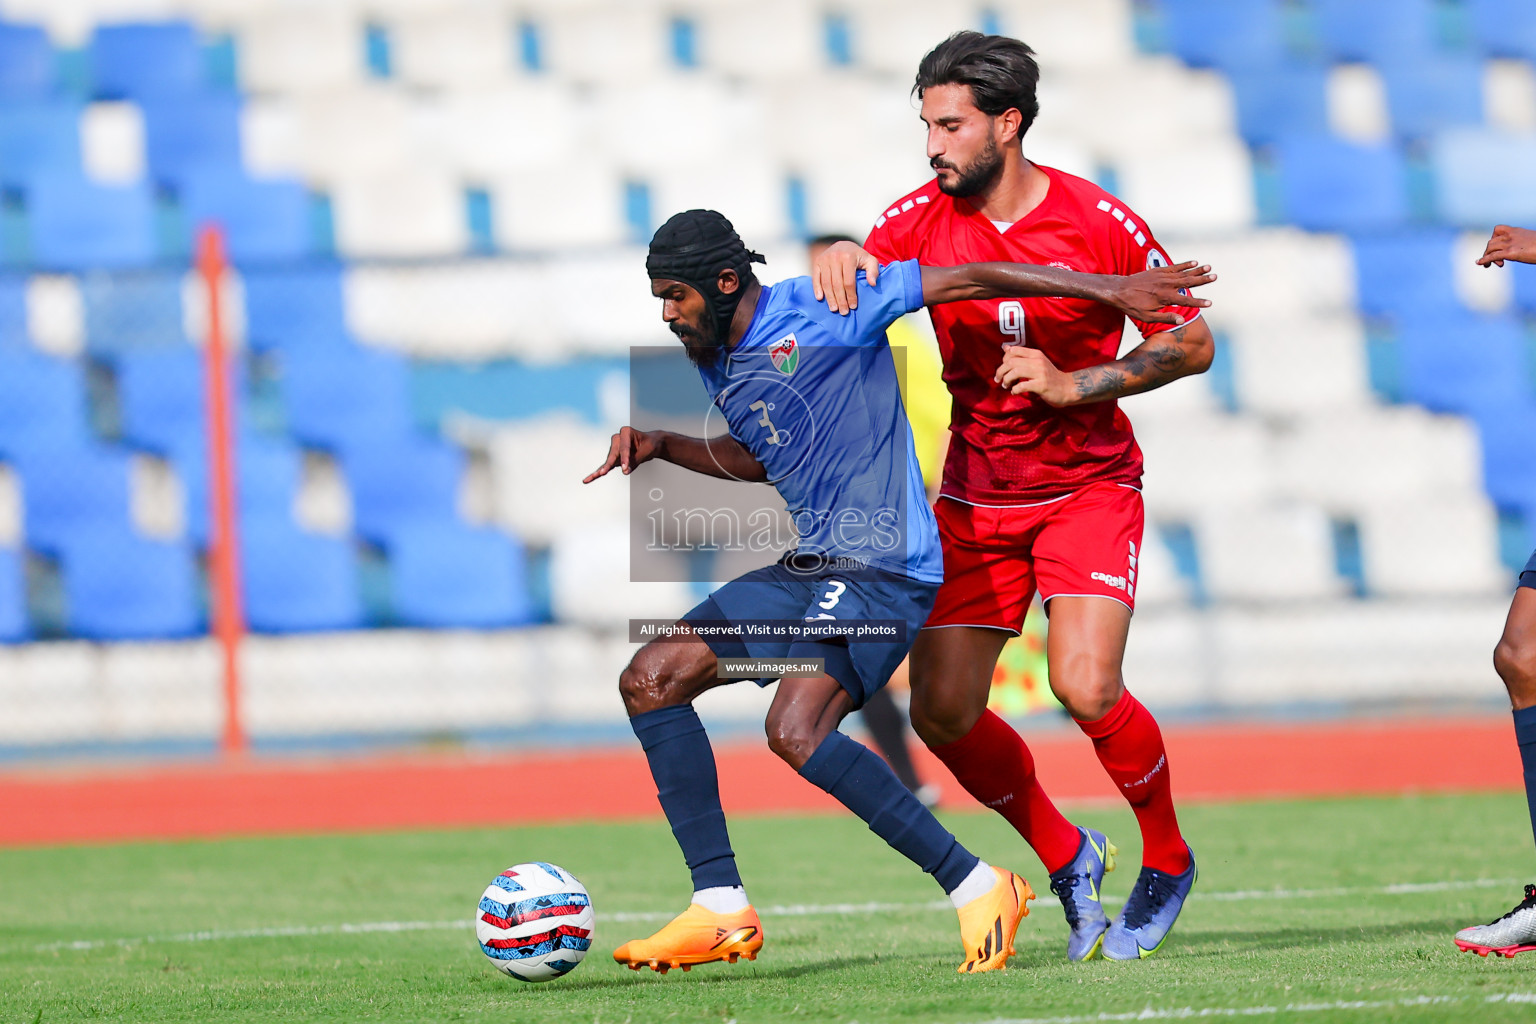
(400, 480)
(120, 586)
(296, 581)
(1375, 31)
(270, 473)
(73, 491)
(13, 311)
(335, 396)
(134, 310)
(1406, 274)
(295, 307)
(1460, 364)
(1274, 102)
(1525, 284)
(1425, 95)
(39, 139)
(78, 225)
(26, 63)
(1504, 28)
(445, 576)
(42, 403)
(1327, 184)
(1484, 177)
(139, 61)
(508, 389)
(160, 396)
(184, 134)
(13, 596)
(1509, 457)
(1225, 34)
(262, 220)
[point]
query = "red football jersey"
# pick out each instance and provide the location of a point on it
(1014, 449)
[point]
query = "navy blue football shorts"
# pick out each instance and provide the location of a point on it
(831, 599)
(1528, 574)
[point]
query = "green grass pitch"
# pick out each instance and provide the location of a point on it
(1317, 910)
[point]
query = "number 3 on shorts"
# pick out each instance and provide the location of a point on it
(835, 590)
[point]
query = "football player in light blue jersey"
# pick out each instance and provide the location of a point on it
(812, 406)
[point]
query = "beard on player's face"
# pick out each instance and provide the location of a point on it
(701, 341)
(974, 177)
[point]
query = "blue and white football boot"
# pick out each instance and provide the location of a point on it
(1149, 913)
(1077, 886)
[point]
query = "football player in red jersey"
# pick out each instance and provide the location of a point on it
(1040, 487)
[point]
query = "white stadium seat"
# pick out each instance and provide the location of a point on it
(1198, 463)
(615, 308)
(752, 194)
(358, 132)
(487, 132)
(464, 310)
(1085, 34)
(579, 204)
(536, 472)
(1351, 461)
(1156, 183)
(636, 126)
(1121, 114)
(590, 582)
(782, 40)
(1432, 546)
(457, 46)
(1274, 275)
(300, 47)
(403, 213)
(1267, 553)
(1301, 367)
(1158, 583)
(891, 36)
(618, 44)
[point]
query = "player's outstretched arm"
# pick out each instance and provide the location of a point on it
(723, 456)
(1160, 359)
(1507, 243)
(1146, 296)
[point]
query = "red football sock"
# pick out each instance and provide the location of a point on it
(994, 765)
(1130, 746)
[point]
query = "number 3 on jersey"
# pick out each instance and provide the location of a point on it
(1010, 320)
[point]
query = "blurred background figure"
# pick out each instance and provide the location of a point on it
(927, 403)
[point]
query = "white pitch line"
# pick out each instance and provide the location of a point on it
(792, 910)
(1199, 1012)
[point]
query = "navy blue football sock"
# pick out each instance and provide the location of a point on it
(865, 785)
(683, 765)
(1525, 735)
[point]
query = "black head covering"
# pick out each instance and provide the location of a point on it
(693, 247)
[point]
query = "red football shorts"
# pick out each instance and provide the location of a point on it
(1085, 544)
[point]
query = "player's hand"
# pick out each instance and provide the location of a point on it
(1027, 371)
(1507, 243)
(835, 275)
(1148, 295)
(628, 449)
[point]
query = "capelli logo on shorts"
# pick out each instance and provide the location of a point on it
(1118, 582)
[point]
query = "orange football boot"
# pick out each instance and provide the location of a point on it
(696, 936)
(988, 923)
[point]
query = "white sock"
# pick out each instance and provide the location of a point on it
(722, 899)
(976, 885)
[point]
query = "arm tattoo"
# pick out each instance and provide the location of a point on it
(1150, 365)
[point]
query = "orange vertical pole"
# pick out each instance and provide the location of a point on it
(224, 550)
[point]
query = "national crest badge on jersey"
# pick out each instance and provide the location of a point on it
(785, 354)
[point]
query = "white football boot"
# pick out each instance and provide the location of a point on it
(1513, 933)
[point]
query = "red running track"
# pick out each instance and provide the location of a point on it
(271, 796)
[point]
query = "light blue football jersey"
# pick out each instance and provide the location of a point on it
(814, 397)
